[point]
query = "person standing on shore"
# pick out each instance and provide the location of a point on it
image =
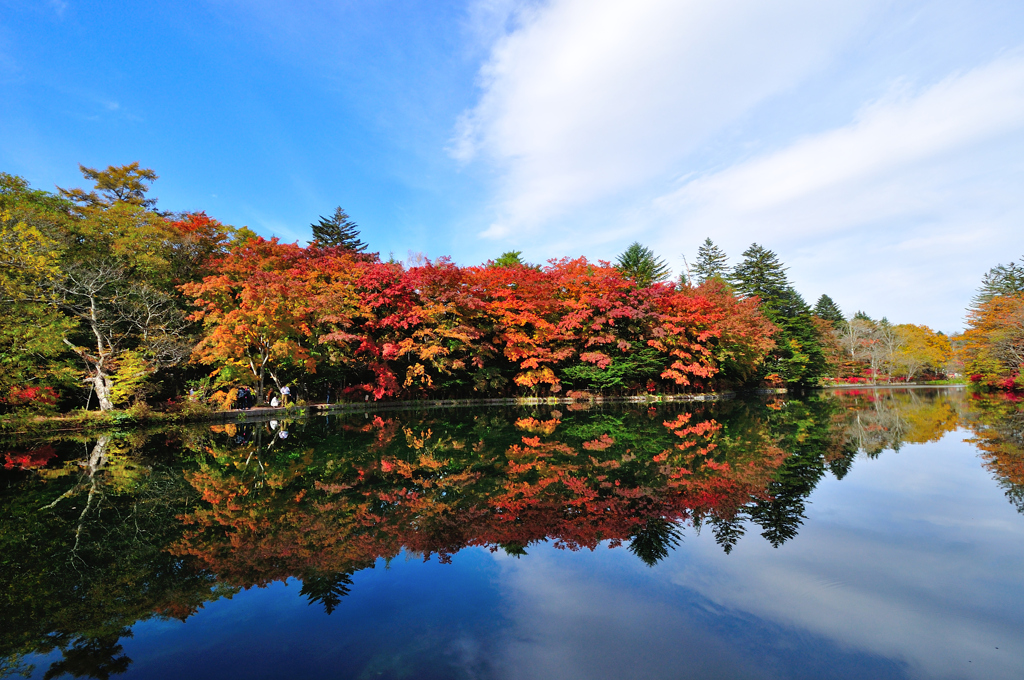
(285, 393)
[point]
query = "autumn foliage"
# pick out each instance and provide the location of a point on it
(384, 330)
(993, 344)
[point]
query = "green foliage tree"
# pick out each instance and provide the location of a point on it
(639, 264)
(338, 231)
(115, 278)
(511, 258)
(712, 262)
(761, 274)
(624, 371)
(31, 328)
(825, 308)
(798, 358)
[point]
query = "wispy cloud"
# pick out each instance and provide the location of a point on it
(901, 210)
(892, 190)
(883, 164)
(590, 98)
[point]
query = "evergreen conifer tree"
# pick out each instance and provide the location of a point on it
(1000, 280)
(798, 356)
(640, 264)
(827, 309)
(761, 274)
(711, 262)
(338, 231)
(509, 258)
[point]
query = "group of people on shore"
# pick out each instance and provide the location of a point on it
(246, 398)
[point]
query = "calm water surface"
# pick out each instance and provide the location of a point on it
(865, 534)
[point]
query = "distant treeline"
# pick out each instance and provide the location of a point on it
(110, 303)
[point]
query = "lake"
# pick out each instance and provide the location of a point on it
(871, 533)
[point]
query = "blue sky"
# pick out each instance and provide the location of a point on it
(877, 147)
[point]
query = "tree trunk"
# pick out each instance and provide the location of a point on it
(101, 384)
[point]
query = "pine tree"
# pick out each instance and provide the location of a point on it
(761, 274)
(510, 258)
(327, 589)
(828, 310)
(1000, 280)
(338, 231)
(639, 264)
(711, 262)
(798, 356)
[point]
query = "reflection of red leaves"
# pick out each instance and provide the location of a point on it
(35, 458)
(426, 505)
(545, 427)
(600, 444)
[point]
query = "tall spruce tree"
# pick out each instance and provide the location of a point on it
(1000, 280)
(761, 274)
(642, 266)
(798, 357)
(712, 262)
(339, 231)
(827, 309)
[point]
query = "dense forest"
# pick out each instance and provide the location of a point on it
(110, 303)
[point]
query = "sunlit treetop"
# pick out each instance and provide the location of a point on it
(117, 184)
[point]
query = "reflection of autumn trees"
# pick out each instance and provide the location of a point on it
(998, 426)
(82, 547)
(874, 420)
(328, 504)
(96, 535)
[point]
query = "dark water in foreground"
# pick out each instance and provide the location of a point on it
(848, 535)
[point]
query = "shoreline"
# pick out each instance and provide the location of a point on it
(97, 420)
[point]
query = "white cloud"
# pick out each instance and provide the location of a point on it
(590, 98)
(898, 212)
(891, 188)
(866, 164)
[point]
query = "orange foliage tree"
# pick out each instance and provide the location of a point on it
(390, 331)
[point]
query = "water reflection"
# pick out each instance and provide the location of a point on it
(101, 533)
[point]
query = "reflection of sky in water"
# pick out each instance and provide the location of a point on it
(909, 567)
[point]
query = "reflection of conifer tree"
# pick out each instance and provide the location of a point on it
(727, 532)
(516, 550)
(92, 658)
(998, 427)
(806, 431)
(840, 467)
(652, 542)
(327, 589)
